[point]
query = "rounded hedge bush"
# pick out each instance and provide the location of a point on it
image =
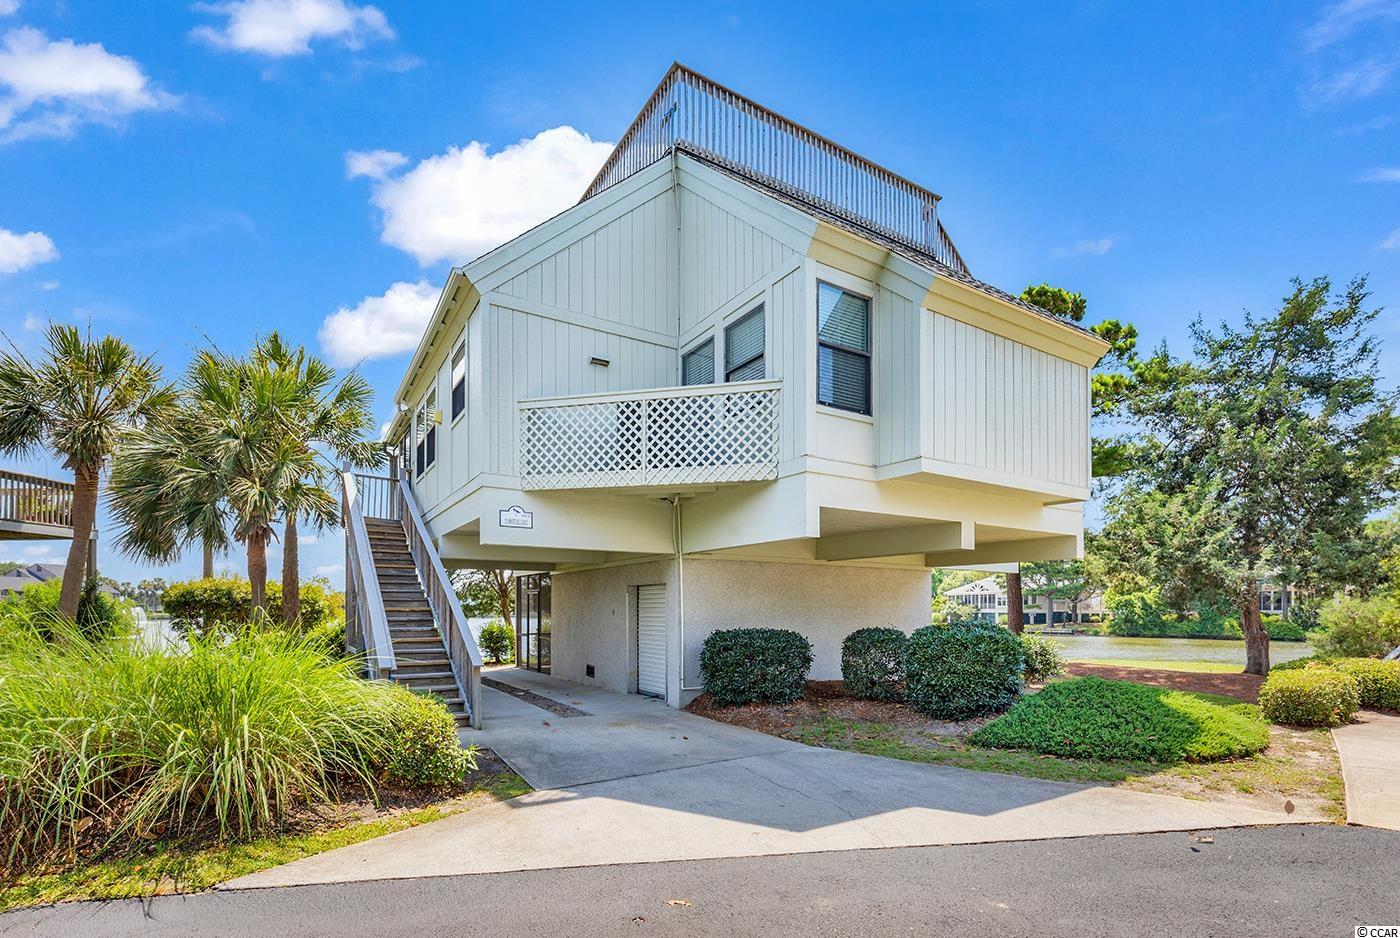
(1310, 697)
(1378, 682)
(1296, 663)
(423, 748)
(739, 666)
(872, 663)
(1043, 658)
(958, 672)
(1093, 718)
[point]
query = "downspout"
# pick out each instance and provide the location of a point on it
(680, 585)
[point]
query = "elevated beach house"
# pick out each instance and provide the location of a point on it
(728, 388)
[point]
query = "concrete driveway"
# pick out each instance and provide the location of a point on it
(634, 781)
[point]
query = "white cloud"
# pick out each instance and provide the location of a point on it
(287, 27)
(379, 326)
(1340, 20)
(48, 286)
(22, 251)
(1391, 242)
(9, 7)
(1095, 246)
(32, 323)
(331, 570)
(459, 204)
(1356, 81)
(376, 164)
(1382, 174)
(49, 87)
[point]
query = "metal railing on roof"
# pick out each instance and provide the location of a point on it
(691, 113)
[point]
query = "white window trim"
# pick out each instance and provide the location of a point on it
(722, 360)
(452, 385)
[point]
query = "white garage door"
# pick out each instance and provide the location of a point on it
(651, 640)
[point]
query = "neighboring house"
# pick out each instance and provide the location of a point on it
(21, 577)
(988, 597)
(728, 388)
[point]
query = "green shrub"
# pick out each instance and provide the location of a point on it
(872, 663)
(958, 672)
(497, 641)
(1378, 682)
(739, 666)
(99, 615)
(103, 742)
(1144, 614)
(961, 614)
(1310, 697)
(1043, 658)
(1285, 630)
(1357, 628)
(328, 638)
(223, 604)
(1304, 662)
(423, 746)
(1091, 718)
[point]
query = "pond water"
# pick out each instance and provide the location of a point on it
(1104, 647)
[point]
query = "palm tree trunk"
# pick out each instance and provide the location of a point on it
(1015, 605)
(257, 568)
(291, 573)
(84, 518)
(207, 571)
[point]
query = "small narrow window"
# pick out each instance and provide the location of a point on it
(698, 364)
(459, 380)
(430, 439)
(743, 348)
(843, 349)
(420, 427)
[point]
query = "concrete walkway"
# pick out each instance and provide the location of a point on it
(634, 781)
(1370, 754)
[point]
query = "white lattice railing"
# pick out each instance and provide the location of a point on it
(704, 435)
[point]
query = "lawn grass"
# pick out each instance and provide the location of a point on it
(164, 867)
(1155, 664)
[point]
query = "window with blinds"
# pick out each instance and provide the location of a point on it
(843, 349)
(459, 380)
(698, 364)
(743, 348)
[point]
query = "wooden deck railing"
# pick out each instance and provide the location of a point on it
(691, 113)
(34, 500)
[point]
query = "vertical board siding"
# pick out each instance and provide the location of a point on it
(721, 255)
(894, 376)
(790, 345)
(997, 404)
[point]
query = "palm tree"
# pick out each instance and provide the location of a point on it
(332, 423)
(77, 400)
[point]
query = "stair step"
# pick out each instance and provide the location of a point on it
(433, 639)
(437, 664)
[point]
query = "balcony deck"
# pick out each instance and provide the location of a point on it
(666, 438)
(34, 508)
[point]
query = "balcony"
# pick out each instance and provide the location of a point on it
(33, 508)
(692, 114)
(670, 438)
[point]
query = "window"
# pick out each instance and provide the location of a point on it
(743, 348)
(459, 380)
(419, 426)
(698, 364)
(425, 434)
(843, 349)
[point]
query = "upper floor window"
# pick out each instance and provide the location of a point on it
(698, 364)
(743, 348)
(459, 380)
(843, 349)
(425, 434)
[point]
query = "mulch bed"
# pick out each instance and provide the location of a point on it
(1240, 686)
(823, 699)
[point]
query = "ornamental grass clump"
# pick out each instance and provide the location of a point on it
(102, 742)
(1092, 718)
(740, 666)
(1316, 696)
(872, 663)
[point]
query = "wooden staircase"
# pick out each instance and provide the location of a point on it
(421, 658)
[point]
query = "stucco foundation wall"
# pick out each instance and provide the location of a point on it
(824, 602)
(594, 623)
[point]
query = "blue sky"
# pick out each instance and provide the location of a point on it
(172, 171)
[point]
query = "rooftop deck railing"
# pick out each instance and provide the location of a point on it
(691, 113)
(27, 499)
(703, 435)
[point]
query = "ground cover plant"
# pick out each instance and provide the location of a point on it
(1093, 718)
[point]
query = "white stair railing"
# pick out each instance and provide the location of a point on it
(366, 623)
(462, 650)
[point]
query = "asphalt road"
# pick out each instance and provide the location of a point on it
(1271, 881)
